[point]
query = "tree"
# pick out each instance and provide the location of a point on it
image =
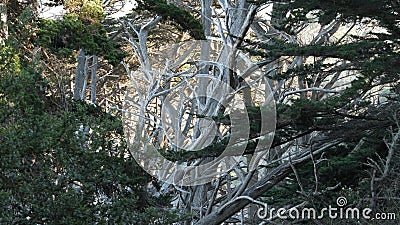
(326, 69)
(53, 170)
(325, 87)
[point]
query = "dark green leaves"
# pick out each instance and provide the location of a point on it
(183, 19)
(70, 33)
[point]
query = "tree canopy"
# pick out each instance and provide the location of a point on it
(80, 93)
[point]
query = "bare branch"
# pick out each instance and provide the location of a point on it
(306, 90)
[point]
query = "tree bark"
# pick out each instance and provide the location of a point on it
(268, 181)
(3, 22)
(80, 76)
(94, 80)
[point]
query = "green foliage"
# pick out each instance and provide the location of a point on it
(183, 19)
(347, 116)
(344, 165)
(55, 170)
(302, 116)
(21, 32)
(71, 33)
(90, 11)
(351, 51)
(9, 61)
(327, 10)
